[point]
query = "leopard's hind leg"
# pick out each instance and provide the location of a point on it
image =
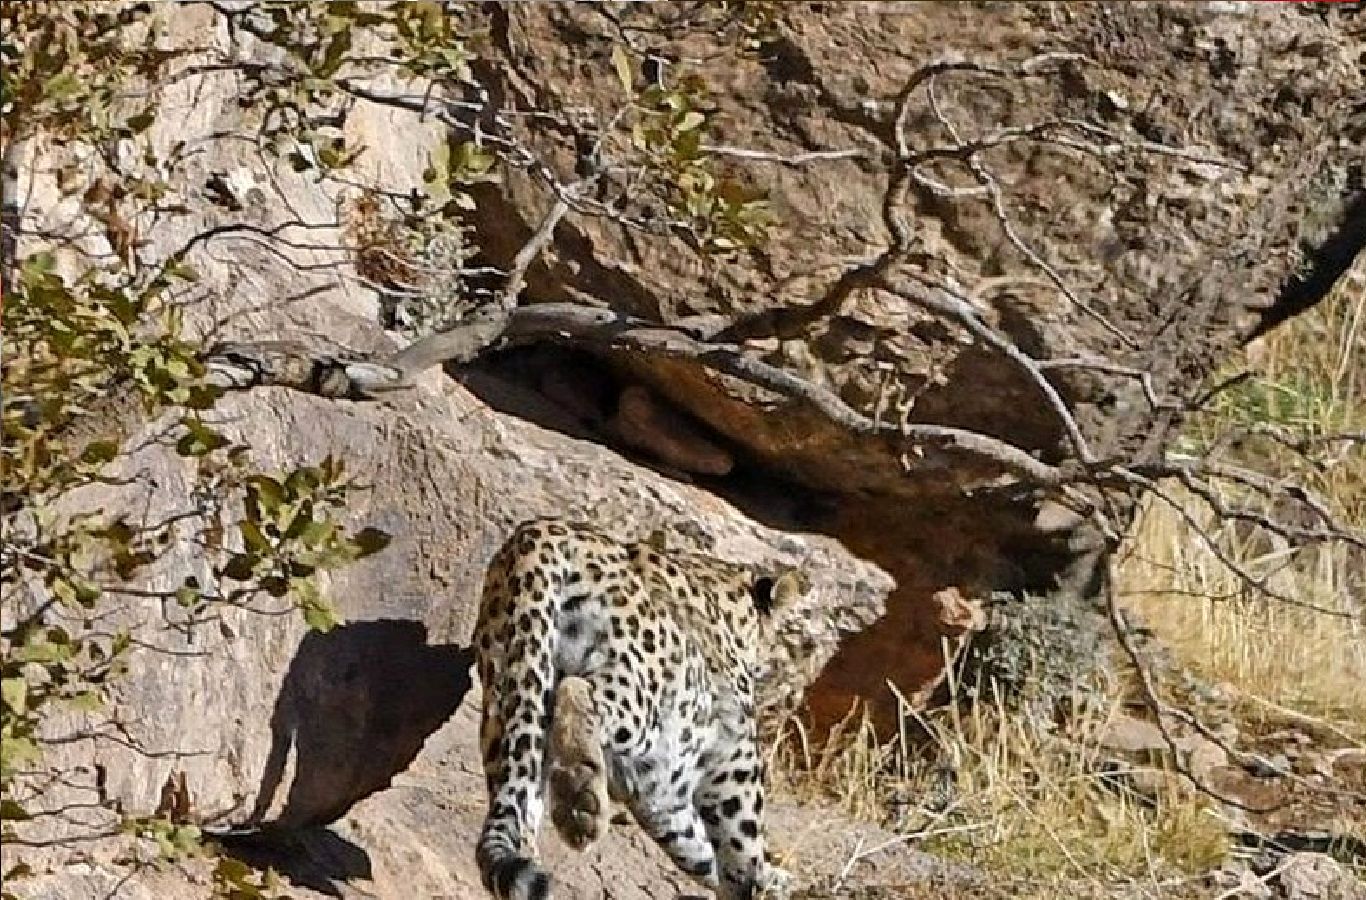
(579, 804)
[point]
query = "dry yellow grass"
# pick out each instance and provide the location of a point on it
(1311, 383)
(1026, 802)
(1009, 794)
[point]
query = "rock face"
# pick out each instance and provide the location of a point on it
(1154, 235)
(1170, 233)
(269, 723)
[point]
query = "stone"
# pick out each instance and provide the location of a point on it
(1237, 879)
(1200, 755)
(644, 422)
(1317, 876)
(1126, 734)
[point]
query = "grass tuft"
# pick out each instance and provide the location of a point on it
(1042, 806)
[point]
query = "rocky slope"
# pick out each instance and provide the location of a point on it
(1225, 134)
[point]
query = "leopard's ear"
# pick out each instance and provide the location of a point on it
(772, 592)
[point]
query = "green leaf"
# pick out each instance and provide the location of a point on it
(141, 121)
(231, 870)
(11, 811)
(14, 692)
(188, 595)
(202, 396)
(17, 752)
(193, 444)
(182, 270)
(336, 51)
(471, 160)
(86, 701)
(691, 121)
(301, 481)
(275, 585)
(253, 537)
(371, 540)
(186, 838)
(241, 567)
(622, 63)
(99, 452)
(317, 533)
(688, 146)
(36, 269)
(302, 519)
(41, 651)
(320, 617)
(61, 86)
(268, 493)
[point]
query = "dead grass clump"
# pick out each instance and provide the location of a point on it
(987, 785)
(1026, 799)
(1310, 386)
(414, 260)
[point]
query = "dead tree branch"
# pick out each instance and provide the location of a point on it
(238, 366)
(1165, 713)
(938, 299)
(461, 345)
(1259, 585)
(969, 156)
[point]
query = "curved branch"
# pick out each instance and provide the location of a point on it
(238, 366)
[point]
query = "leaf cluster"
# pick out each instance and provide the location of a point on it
(89, 347)
(65, 67)
(304, 98)
(289, 533)
(666, 135)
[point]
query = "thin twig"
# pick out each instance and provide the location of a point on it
(940, 300)
(794, 160)
(1162, 711)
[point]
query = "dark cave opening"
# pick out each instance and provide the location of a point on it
(582, 395)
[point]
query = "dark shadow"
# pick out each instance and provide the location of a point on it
(574, 392)
(354, 710)
(1324, 264)
(356, 706)
(315, 858)
(561, 389)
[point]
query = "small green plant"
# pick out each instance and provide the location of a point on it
(91, 347)
(235, 880)
(722, 215)
(65, 68)
(174, 840)
(289, 534)
(414, 249)
(304, 100)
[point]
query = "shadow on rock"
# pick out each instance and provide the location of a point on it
(356, 706)
(315, 858)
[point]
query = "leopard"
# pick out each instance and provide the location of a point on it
(620, 677)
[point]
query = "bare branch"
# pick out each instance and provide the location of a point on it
(240, 366)
(607, 328)
(987, 180)
(1096, 364)
(463, 343)
(1291, 533)
(795, 160)
(1163, 712)
(941, 301)
(1259, 585)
